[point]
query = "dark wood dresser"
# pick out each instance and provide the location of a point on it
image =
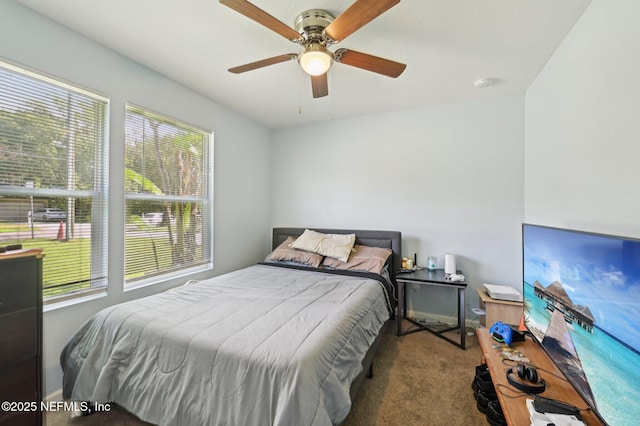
(21, 337)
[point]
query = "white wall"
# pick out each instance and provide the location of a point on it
(583, 126)
(449, 178)
(241, 173)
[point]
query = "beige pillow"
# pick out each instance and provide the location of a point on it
(364, 258)
(332, 245)
(287, 254)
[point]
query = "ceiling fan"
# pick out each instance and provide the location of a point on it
(315, 30)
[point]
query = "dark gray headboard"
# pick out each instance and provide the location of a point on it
(386, 239)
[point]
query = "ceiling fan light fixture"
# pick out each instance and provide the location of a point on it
(316, 59)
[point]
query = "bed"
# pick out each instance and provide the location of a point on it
(275, 343)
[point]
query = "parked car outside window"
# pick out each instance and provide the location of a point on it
(157, 219)
(152, 219)
(49, 214)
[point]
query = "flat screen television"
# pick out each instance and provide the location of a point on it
(582, 304)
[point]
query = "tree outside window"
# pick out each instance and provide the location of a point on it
(168, 191)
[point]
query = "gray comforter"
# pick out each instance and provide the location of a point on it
(261, 345)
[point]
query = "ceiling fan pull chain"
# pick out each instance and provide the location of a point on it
(300, 91)
(330, 102)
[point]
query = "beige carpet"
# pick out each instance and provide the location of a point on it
(419, 379)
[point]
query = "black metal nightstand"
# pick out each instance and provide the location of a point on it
(434, 278)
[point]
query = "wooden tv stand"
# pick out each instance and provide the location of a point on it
(515, 409)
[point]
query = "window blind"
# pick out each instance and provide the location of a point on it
(53, 177)
(168, 197)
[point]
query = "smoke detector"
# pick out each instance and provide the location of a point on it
(482, 83)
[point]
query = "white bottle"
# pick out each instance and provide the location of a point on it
(449, 264)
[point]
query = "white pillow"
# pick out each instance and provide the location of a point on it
(332, 245)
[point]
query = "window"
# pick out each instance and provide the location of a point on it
(53, 178)
(168, 197)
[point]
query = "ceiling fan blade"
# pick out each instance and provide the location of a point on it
(260, 16)
(263, 63)
(369, 62)
(319, 85)
(356, 16)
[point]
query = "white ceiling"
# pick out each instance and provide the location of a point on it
(446, 44)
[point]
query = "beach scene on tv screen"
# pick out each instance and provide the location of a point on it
(582, 303)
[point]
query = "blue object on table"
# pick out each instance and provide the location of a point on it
(501, 332)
